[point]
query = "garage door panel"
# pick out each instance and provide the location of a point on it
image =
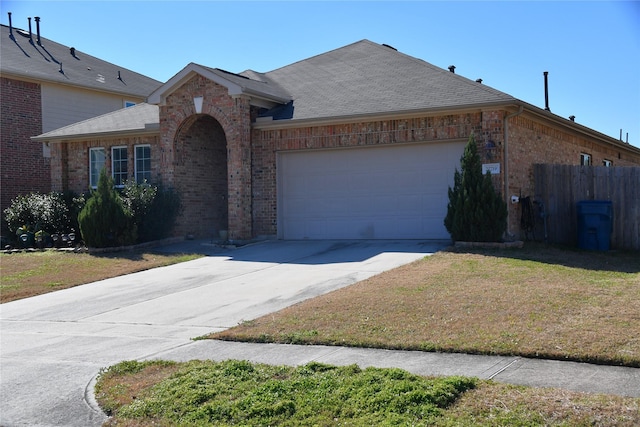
(366, 193)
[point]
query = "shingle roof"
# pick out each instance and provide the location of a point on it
(136, 119)
(368, 78)
(43, 62)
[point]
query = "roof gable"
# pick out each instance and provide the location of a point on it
(260, 91)
(23, 57)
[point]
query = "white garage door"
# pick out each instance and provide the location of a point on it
(397, 192)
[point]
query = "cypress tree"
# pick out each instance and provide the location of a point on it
(475, 213)
(103, 221)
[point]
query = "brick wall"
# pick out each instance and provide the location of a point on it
(70, 160)
(532, 141)
(23, 168)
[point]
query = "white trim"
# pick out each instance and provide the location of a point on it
(159, 95)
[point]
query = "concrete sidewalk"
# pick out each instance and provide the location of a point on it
(583, 377)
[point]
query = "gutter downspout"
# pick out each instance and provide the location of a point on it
(506, 160)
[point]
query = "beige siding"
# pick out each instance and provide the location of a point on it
(64, 105)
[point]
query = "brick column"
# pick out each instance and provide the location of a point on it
(239, 171)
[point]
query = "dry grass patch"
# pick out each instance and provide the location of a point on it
(26, 274)
(536, 302)
(493, 404)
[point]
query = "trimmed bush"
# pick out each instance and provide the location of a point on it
(39, 212)
(104, 221)
(153, 208)
(475, 213)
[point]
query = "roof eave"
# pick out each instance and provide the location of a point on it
(151, 130)
(294, 123)
(584, 130)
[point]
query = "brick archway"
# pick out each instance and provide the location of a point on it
(232, 114)
(201, 176)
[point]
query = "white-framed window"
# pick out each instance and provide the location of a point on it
(607, 163)
(97, 159)
(128, 104)
(119, 166)
(585, 159)
(143, 163)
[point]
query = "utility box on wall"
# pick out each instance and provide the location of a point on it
(595, 224)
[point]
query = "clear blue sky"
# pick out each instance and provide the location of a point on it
(590, 49)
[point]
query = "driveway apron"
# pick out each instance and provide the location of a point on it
(53, 345)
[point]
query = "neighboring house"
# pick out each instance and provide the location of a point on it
(357, 143)
(44, 86)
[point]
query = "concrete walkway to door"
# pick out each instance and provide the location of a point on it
(51, 346)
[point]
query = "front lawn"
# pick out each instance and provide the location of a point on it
(539, 301)
(27, 274)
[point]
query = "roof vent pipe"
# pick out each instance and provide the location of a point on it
(452, 68)
(546, 91)
(37, 18)
(30, 36)
(10, 27)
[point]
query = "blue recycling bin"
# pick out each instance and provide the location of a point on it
(595, 224)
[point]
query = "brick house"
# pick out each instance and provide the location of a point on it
(45, 85)
(357, 143)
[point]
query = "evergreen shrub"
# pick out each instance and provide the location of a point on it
(476, 212)
(104, 221)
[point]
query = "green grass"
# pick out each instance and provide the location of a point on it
(239, 393)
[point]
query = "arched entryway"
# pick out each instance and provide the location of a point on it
(201, 176)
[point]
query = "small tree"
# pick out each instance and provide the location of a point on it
(475, 213)
(104, 221)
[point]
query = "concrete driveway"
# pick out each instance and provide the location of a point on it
(53, 345)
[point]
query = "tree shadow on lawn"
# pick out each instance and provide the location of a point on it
(617, 261)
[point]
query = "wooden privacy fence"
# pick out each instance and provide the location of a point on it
(560, 187)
